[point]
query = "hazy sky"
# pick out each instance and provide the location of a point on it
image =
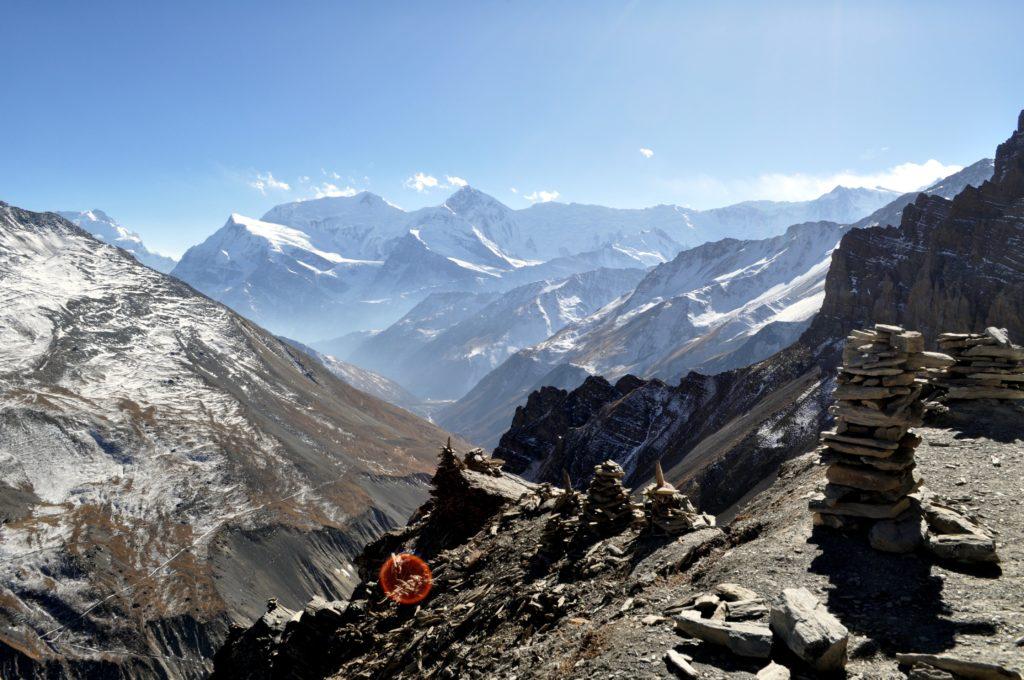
(171, 117)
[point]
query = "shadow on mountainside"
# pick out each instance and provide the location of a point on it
(894, 600)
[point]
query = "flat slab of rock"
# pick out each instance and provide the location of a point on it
(810, 630)
(868, 510)
(972, 670)
(743, 639)
(732, 592)
(679, 664)
(970, 548)
(744, 610)
(773, 671)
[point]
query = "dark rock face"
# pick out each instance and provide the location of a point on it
(549, 414)
(951, 265)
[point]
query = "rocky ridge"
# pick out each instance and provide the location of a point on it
(767, 594)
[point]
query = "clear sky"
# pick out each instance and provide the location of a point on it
(170, 116)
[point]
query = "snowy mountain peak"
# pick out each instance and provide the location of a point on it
(104, 227)
(468, 199)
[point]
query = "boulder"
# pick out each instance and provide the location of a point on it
(900, 535)
(773, 671)
(743, 639)
(810, 630)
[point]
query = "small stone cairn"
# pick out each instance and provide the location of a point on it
(988, 365)
(669, 512)
(565, 519)
(870, 454)
(477, 461)
(608, 509)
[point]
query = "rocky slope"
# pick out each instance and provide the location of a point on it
(104, 227)
(445, 363)
(366, 381)
(510, 598)
(721, 305)
(157, 454)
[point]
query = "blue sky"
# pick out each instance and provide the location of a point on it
(172, 116)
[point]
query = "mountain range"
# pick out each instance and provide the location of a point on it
(718, 306)
(319, 269)
(950, 265)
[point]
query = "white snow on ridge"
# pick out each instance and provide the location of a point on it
(279, 237)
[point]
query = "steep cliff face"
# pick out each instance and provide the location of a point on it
(951, 265)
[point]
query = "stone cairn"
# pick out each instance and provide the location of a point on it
(608, 509)
(565, 519)
(477, 461)
(669, 512)
(870, 454)
(988, 365)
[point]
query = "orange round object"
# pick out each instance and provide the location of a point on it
(406, 579)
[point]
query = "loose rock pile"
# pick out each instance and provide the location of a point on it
(870, 454)
(608, 509)
(988, 365)
(669, 512)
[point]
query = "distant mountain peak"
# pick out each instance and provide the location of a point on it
(468, 198)
(106, 228)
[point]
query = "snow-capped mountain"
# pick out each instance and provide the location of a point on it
(104, 227)
(709, 302)
(276, 275)
(157, 452)
(321, 268)
(445, 358)
(718, 306)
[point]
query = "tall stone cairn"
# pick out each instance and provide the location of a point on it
(870, 454)
(669, 512)
(608, 509)
(988, 366)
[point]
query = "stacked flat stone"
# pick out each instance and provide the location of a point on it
(608, 509)
(988, 365)
(870, 454)
(477, 461)
(669, 512)
(565, 518)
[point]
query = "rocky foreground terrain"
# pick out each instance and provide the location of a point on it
(510, 600)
